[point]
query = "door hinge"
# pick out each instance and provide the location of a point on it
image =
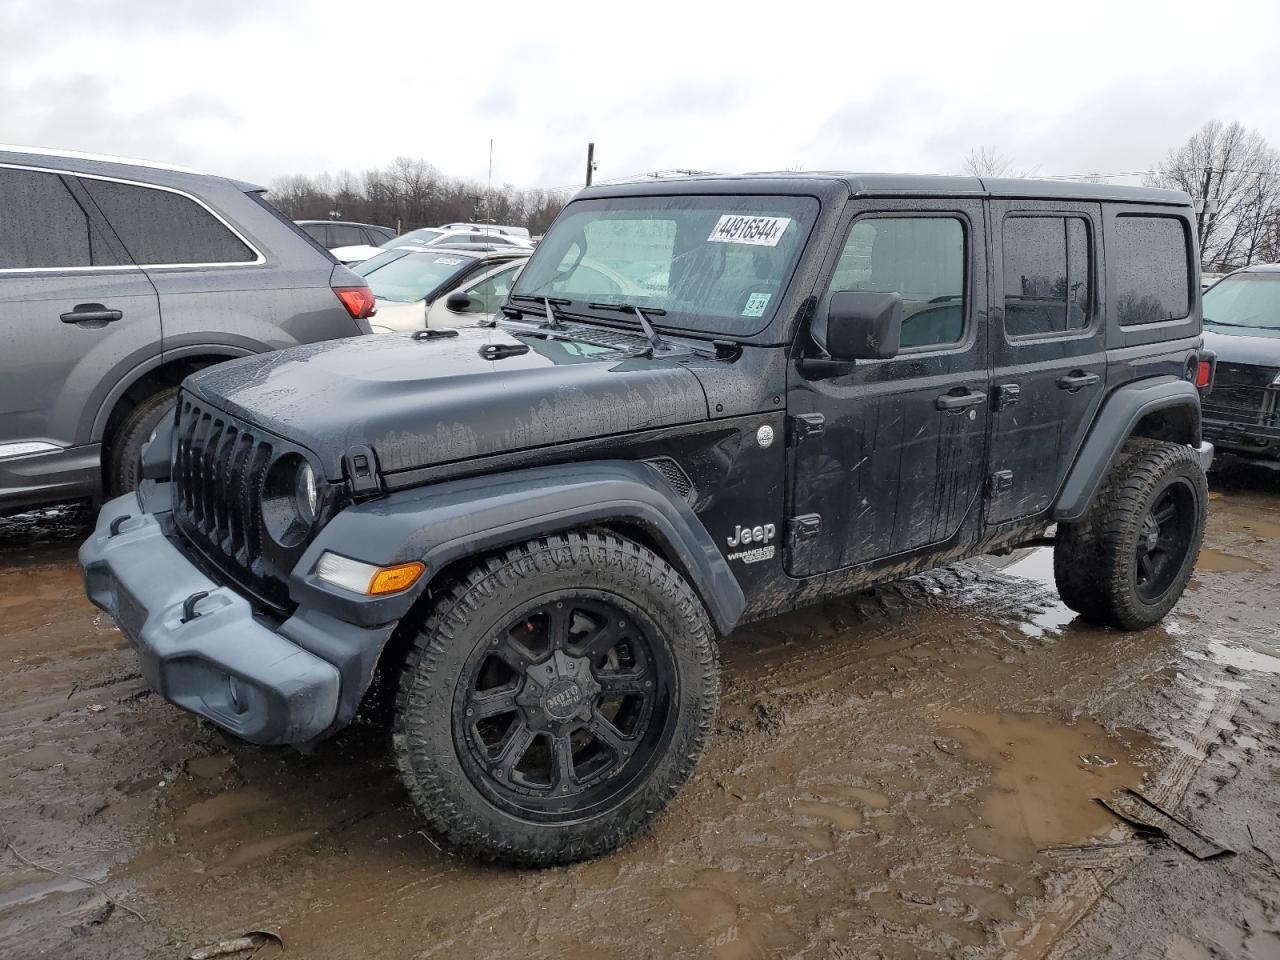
(1007, 394)
(361, 468)
(805, 425)
(1000, 482)
(805, 527)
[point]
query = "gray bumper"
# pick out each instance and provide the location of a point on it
(222, 664)
(1206, 455)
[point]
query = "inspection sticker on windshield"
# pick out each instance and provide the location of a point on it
(762, 231)
(756, 304)
(451, 261)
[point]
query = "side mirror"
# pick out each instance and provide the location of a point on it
(864, 325)
(458, 302)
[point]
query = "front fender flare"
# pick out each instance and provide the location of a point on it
(1120, 413)
(441, 523)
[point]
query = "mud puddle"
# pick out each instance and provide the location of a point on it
(1219, 561)
(1045, 776)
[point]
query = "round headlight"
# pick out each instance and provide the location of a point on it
(307, 493)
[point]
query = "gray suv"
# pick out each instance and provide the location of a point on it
(117, 279)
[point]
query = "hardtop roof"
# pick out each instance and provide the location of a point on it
(889, 185)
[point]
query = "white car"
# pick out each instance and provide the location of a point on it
(421, 287)
(428, 237)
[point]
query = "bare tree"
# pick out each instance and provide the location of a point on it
(989, 162)
(412, 193)
(1231, 173)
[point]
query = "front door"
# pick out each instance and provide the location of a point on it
(1047, 349)
(888, 457)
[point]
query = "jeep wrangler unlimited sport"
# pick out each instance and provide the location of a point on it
(705, 401)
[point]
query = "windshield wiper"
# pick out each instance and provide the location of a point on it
(1223, 323)
(553, 321)
(656, 342)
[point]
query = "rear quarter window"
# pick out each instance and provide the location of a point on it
(43, 226)
(1152, 272)
(161, 228)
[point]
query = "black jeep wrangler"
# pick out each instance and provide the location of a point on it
(705, 401)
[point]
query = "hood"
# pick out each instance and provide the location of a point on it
(419, 403)
(1259, 351)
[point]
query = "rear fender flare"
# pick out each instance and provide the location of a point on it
(1118, 417)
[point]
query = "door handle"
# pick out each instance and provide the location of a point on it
(90, 313)
(955, 401)
(1077, 380)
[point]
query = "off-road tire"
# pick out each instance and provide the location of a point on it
(1094, 559)
(466, 613)
(123, 467)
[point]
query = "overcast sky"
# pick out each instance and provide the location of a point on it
(257, 90)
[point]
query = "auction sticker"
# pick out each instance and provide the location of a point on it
(761, 231)
(450, 261)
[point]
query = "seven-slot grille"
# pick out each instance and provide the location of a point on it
(219, 466)
(1243, 393)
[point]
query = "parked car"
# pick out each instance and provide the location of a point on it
(332, 234)
(534, 530)
(117, 279)
(439, 286)
(427, 237)
(490, 228)
(1242, 326)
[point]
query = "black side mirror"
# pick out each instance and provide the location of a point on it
(458, 302)
(864, 325)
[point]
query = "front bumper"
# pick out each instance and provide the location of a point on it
(1259, 438)
(220, 662)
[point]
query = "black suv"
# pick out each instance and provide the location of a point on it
(706, 401)
(117, 279)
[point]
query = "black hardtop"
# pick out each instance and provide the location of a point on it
(828, 184)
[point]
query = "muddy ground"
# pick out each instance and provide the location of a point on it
(906, 773)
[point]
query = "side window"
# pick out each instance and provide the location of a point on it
(345, 235)
(1046, 275)
(158, 227)
(43, 225)
(1149, 258)
(921, 258)
(488, 294)
(319, 232)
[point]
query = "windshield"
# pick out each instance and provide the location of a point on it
(404, 276)
(1246, 302)
(713, 264)
(419, 238)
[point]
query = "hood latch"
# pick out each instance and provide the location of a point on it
(361, 467)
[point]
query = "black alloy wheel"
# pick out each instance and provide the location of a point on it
(1164, 539)
(564, 709)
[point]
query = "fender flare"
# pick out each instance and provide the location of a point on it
(441, 523)
(1119, 415)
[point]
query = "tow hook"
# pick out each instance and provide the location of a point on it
(189, 605)
(115, 525)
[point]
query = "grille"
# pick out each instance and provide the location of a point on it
(674, 474)
(218, 471)
(1243, 393)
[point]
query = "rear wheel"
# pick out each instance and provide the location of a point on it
(123, 468)
(555, 700)
(1129, 559)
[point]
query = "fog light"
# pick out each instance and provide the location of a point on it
(367, 578)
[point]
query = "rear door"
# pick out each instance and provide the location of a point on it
(1047, 348)
(889, 457)
(76, 315)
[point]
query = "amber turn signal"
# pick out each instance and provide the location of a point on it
(394, 579)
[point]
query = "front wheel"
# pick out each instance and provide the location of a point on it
(1128, 560)
(555, 700)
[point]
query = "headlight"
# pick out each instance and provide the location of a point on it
(290, 500)
(307, 494)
